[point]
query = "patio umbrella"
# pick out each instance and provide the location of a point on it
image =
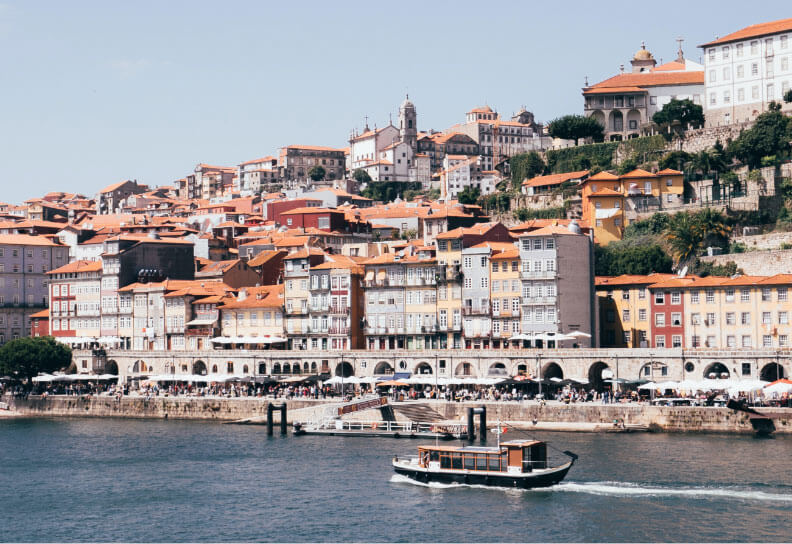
(778, 387)
(392, 383)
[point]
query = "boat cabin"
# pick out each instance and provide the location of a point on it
(515, 456)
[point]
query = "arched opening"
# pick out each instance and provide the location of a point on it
(262, 368)
(214, 369)
(497, 369)
(771, 372)
(383, 368)
(111, 367)
(184, 368)
(306, 367)
(344, 369)
(552, 370)
(245, 369)
(423, 368)
(616, 138)
(616, 123)
(199, 368)
(276, 368)
(716, 371)
(464, 369)
(522, 369)
(596, 377)
(599, 117)
(286, 368)
(138, 366)
(653, 370)
(633, 122)
(313, 367)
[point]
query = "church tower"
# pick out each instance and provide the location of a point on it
(643, 61)
(408, 124)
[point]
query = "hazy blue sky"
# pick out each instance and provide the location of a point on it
(96, 92)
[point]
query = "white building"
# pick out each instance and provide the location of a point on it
(746, 70)
(461, 171)
(255, 173)
(625, 102)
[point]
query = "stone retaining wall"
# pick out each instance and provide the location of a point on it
(759, 263)
(679, 419)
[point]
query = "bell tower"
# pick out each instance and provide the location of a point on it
(408, 124)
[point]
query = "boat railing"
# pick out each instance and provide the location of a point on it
(407, 427)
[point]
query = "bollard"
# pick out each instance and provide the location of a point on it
(483, 423)
(269, 420)
(471, 427)
(283, 418)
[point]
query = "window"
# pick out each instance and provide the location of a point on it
(767, 341)
(782, 294)
(755, 92)
(626, 337)
(726, 73)
(694, 297)
(676, 297)
(695, 319)
(727, 97)
(783, 318)
(695, 341)
(730, 318)
(712, 78)
(710, 293)
(713, 101)
(745, 295)
(676, 341)
(725, 51)
(731, 342)
(782, 340)
(746, 369)
(740, 71)
(642, 315)
(766, 318)
(659, 297)
(467, 262)
(625, 315)
(660, 319)
(676, 319)
(660, 341)
(729, 295)
(745, 318)
(710, 319)
(766, 294)
(746, 341)
(642, 293)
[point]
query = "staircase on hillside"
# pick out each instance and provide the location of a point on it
(420, 413)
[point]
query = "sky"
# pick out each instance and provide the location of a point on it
(92, 93)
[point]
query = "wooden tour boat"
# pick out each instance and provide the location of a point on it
(516, 463)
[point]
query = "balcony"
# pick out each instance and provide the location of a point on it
(323, 308)
(476, 309)
(538, 300)
(420, 281)
(502, 313)
(339, 310)
(339, 330)
(297, 311)
(538, 274)
(477, 333)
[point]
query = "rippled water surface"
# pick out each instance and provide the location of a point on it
(130, 480)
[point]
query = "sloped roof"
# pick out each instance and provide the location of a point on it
(754, 31)
(554, 179)
(646, 79)
(78, 266)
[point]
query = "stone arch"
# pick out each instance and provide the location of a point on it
(262, 367)
(344, 369)
(111, 367)
(497, 369)
(138, 366)
(522, 369)
(286, 368)
(276, 368)
(306, 367)
(313, 367)
(184, 369)
(214, 369)
(595, 377)
(245, 369)
(716, 370)
(552, 370)
(423, 368)
(599, 117)
(616, 138)
(383, 368)
(199, 368)
(653, 370)
(633, 116)
(772, 372)
(616, 121)
(465, 369)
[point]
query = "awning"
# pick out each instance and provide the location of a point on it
(401, 375)
(222, 340)
(199, 322)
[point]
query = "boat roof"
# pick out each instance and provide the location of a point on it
(482, 449)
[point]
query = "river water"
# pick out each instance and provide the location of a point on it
(136, 480)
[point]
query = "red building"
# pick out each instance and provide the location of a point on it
(319, 218)
(668, 311)
(273, 209)
(39, 323)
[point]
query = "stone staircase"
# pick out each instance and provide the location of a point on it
(420, 413)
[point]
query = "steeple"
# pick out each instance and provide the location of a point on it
(408, 124)
(680, 54)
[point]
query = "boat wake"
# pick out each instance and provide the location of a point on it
(624, 489)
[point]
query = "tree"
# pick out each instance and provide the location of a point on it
(675, 160)
(769, 136)
(317, 173)
(573, 127)
(526, 166)
(684, 112)
(361, 176)
(24, 358)
(469, 195)
(713, 228)
(683, 237)
(618, 258)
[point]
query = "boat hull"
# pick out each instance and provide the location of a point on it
(527, 480)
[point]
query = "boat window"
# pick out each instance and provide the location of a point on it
(445, 461)
(534, 457)
(494, 462)
(470, 462)
(456, 460)
(434, 455)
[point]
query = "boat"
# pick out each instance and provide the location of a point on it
(516, 463)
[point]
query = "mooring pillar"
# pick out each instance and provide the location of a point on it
(269, 419)
(283, 418)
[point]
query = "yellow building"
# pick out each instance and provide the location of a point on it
(420, 301)
(505, 291)
(625, 309)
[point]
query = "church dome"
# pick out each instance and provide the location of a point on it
(407, 103)
(643, 54)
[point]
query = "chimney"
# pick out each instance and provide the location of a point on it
(242, 294)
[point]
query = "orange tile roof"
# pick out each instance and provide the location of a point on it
(25, 240)
(265, 256)
(648, 79)
(672, 66)
(298, 211)
(256, 161)
(602, 176)
(631, 279)
(302, 254)
(42, 314)
(604, 191)
(314, 148)
(754, 31)
(512, 253)
(78, 266)
(778, 279)
(669, 172)
(478, 229)
(495, 246)
(554, 179)
(638, 173)
(113, 187)
(604, 90)
(271, 297)
(481, 109)
(550, 229)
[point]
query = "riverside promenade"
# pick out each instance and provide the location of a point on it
(551, 415)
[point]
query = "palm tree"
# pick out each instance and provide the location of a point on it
(683, 237)
(713, 227)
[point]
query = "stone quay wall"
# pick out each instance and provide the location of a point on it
(585, 415)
